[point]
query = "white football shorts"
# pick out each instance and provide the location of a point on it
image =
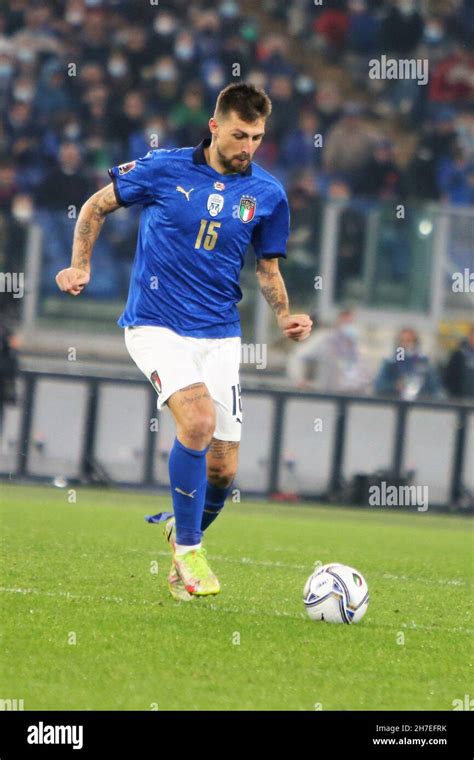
(171, 362)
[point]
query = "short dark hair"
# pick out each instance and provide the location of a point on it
(247, 100)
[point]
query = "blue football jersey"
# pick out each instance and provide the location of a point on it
(195, 228)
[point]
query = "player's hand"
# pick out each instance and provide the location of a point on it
(295, 326)
(72, 280)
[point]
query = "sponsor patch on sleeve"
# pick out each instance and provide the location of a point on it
(125, 168)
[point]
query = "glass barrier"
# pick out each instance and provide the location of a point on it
(458, 291)
(381, 258)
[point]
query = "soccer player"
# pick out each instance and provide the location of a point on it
(202, 207)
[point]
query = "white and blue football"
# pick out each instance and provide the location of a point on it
(336, 593)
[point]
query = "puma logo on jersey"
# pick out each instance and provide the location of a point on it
(191, 495)
(182, 190)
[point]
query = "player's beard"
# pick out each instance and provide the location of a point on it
(231, 165)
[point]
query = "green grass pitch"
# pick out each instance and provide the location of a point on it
(85, 572)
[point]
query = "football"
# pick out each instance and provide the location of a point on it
(336, 593)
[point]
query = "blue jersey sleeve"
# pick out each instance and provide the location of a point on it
(270, 236)
(133, 181)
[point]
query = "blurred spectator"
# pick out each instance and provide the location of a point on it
(65, 185)
(350, 241)
(456, 179)
(329, 103)
(59, 198)
(190, 118)
(363, 29)
(402, 28)
(331, 28)
(435, 42)
(273, 55)
(52, 94)
(36, 33)
(380, 176)
(94, 35)
(349, 142)
(459, 373)
(23, 136)
(129, 116)
(282, 96)
(119, 72)
(96, 112)
(8, 186)
(436, 142)
(167, 86)
(299, 149)
(452, 80)
(409, 374)
(154, 134)
(140, 53)
(333, 359)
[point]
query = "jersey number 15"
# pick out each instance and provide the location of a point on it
(209, 234)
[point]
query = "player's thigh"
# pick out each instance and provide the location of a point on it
(167, 359)
(221, 371)
(193, 410)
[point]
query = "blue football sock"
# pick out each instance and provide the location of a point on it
(187, 468)
(214, 501)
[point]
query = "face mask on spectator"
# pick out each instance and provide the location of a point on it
(304, 85)
(6, 70)
(214, 78)
(407, 7)
(25, 55)
(22, 210)
(117, 68)
(72, 131)
(229, 9)
(164, 25)
(23, 94)
(433, 34)
(165, 74)
(75, 17)
(349, 331)
(184, 52)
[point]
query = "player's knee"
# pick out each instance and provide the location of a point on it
(199, 430)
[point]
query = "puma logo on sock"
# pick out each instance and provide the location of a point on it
(191, 495)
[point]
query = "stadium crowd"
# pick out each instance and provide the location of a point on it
(86, 84)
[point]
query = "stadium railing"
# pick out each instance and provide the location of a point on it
(94, 429)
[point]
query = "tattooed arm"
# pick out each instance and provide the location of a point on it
(90, 220)
(294, 326)
(272, 286)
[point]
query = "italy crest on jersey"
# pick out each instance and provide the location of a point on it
(215, 203)
(247, 207)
